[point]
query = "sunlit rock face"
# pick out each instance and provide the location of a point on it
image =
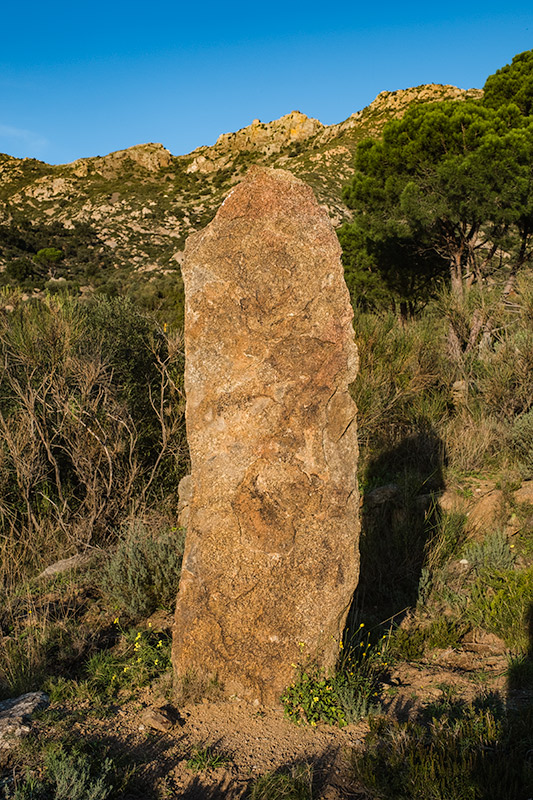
(271, 557)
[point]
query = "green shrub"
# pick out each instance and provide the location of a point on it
(143, 572)
(23, 662)
(32, 652)
(447, 536)
(91, 424)
(397, 367)
(444, 632)
(408, 643)
(504, 376)
(500, 602)
(394, 542)
(520, 672)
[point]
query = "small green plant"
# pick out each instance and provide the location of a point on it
(408, 643)
(520, 672)
(448, 535)
(444, 632)
(522, 440)
(313, 698)
(294, 785)
(346, 695)
(500, 602)
(143, 573)
(205, 757)
(23, 662)
(36, 646)
(139, 658)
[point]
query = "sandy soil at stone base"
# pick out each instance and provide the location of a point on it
(255, 742)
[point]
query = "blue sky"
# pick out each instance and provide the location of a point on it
(83, 79)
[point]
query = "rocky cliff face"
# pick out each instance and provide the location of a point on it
(136, 207)
(266, 139)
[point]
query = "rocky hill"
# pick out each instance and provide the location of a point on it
(121, 220)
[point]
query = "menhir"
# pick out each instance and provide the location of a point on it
(271, 555)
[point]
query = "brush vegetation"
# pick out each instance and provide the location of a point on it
(93, 445)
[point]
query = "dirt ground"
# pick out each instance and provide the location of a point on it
(253, 742)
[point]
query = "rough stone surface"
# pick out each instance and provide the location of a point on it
(156, 718)
(66, 564)
(15, 715)
(525, 493)
(271, 556)
(487, 514)
(184, 499)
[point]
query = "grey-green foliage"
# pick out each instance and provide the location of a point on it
(73, 777)
(68, 776)
(143, 573)
(492, 553)
(522, 439)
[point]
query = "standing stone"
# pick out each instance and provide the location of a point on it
(271, 554)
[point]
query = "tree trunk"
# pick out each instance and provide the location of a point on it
(456, 275)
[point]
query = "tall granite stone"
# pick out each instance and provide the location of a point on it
(271, 554)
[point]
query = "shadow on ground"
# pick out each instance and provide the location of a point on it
(398, 515)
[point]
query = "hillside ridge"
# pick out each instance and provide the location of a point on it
(124, 217)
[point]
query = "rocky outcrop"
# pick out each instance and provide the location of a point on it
(271, 557)
(15, 716)
(151, 157)
(263, 137)
(141, 203)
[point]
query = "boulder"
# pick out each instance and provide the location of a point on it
(66, 564)
(525, 493)
(157, 718)
(15, 716)
(271, 552)
(487, 515)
